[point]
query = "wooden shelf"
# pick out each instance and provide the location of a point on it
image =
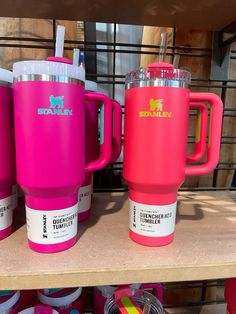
(204, 247)
(201, 14)
(208, 309)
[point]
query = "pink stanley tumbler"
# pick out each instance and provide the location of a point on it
(7, 162)
(92, 148)
(10, 302)
(157, 103)
(102, 293)
(39, 309)
(65, 301)
(49, 105)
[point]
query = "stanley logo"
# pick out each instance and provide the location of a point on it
(155, 110)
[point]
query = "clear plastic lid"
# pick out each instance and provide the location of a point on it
(10, 302)
(107, 291)
(41, 67)
(6, 76)
(160, 71)
(91, 86)
(31, 310)
(66, 298)
(141, 298)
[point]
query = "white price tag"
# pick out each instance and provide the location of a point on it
(51, 226)
(152, 220)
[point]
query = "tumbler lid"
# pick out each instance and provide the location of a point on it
(31, 310)
(59, 297)
(47, 68)
(56, 68)
(6, 76)
(9, 302)
(91, 86)
(158, 74)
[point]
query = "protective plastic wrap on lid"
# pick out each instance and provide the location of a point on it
(157, 71)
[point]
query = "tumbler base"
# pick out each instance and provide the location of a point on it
(5, 232)
(84, 215)
(151, 241)
(52, 248)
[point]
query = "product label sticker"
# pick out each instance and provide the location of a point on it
(152, 220)
(6, 206)
(51, 226)
(85, 194)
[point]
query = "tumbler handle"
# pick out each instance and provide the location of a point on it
(116, 138)
(214, 137)
(106, 145)
(43, 309)
(201, 132)
(158, 290)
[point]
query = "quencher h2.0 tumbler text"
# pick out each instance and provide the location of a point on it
(157, 102)
(49, 101)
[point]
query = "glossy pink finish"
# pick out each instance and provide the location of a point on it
(52, 248)
(117, 125)
(60, 59)
(77, 305)
(155, 146)
(5, 232)
(91, 147)
(106, 147)
(213, 150)
(50, 149)
(7, 164)
(99, 301)
(201, 138)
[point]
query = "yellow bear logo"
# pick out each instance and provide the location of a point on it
(156, 104)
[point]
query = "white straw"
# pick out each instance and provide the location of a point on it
(60, 41)
(76, 53)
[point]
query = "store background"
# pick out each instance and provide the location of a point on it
(112, 50)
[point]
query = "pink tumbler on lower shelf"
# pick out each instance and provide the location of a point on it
(157, 102)
(10, 302)
(65, 301)
(7, 163)
(39, 309)
(49, 107)
(102, 293)
(92, 148)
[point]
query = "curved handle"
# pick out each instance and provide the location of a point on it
(43, 309)
(106, 144)
(201, 132)
(116, 139)
(157, 287)
(213, 150)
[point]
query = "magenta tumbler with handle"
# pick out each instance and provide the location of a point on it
(91, 147)
(49, 101)
(7, 163)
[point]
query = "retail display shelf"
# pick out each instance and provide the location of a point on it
(205, 15)
(203, 248)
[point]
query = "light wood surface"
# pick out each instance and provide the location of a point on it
(204, 247)
(207, 309)
(211, 15)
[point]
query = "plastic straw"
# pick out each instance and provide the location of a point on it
(163, 46)
(176, 61)
(60, 41)
(147, 308)
(76, 53)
